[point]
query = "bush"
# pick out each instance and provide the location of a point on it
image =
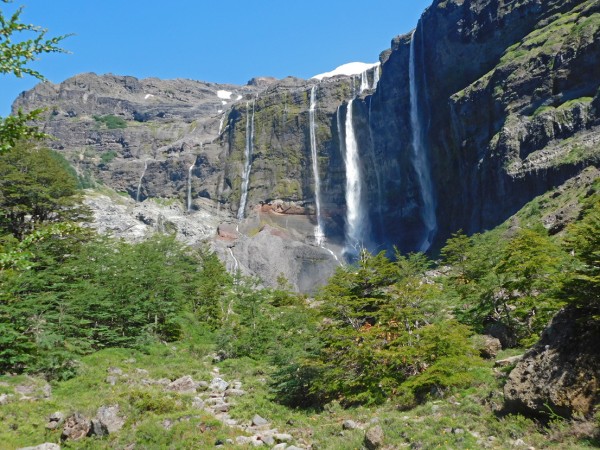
(111, 122)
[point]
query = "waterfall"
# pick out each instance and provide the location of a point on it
(139, 188)
(356, 220)
(221, 123)
(419, 156)
(364, 81)
(248, 155)
(319, 232)
(236, 264)
(189, 185)
(376, 75)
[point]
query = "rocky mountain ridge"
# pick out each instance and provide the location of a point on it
(506, 98)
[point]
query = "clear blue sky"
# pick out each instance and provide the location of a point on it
(219, 41)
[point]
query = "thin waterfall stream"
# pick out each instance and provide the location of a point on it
(419, 158)
(139, 188)
(248, 157)
(319, 231)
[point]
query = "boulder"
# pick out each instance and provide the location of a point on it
(218, 384)
(55, 420)
(45, 446)
(374, 438)
(107, 421)
(489, 346)
(183, 385)
(258, 421)
(349, 425)
(560, 375)
(508, 361)
(76, 427)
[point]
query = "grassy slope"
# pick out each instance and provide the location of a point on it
(466, 419)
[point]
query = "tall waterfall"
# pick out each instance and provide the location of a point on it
(189, 185)
(420, 160)
(139, 188)
(356, 220)
(376, 75)
(364, 81)
(248, 156)
(319, 231)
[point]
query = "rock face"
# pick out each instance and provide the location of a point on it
(485, 106)
(561, 374)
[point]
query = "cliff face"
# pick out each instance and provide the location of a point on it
(486, 105)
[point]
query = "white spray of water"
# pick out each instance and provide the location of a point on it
(376, 75)
(189, 185)
(419, 156)
(139, 188)
(364, 81)
(248, 156)
(356, 219)
(319, 232)
(236, 264)
(221, 123)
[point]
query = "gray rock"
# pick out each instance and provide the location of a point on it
(258, 421)
(183, 385)
(281, 446)
(374, 438)
(107, 420)
(561, 373)
(267, 439)
(508, 361)
(234, 393)
(283, 437)
(349, 425)
(198, 403)
(4, 399)
(218, 384)
(45, 446)
(489, 346)
(112, 380)
(55, 420)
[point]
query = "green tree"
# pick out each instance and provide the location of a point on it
(20, 44)
(582, 287)
(35, 187)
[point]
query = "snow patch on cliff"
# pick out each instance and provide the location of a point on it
(353, 68)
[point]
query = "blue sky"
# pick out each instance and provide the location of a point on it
(219, 41)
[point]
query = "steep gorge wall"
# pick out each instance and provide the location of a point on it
(508, 100)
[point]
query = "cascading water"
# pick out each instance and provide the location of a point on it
(248, 155)
(236, 264)
(319, 231)
(419, 156)
(189, 185)
(364, 81)
(356, 219)
(376, 70)
(221, 123)
(139, 188)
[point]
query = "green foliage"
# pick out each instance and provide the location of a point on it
(382, 325)
(15, 55)
(108, 156)
(111, 122)
(582, 287)
(35, 187)
(16, 128)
